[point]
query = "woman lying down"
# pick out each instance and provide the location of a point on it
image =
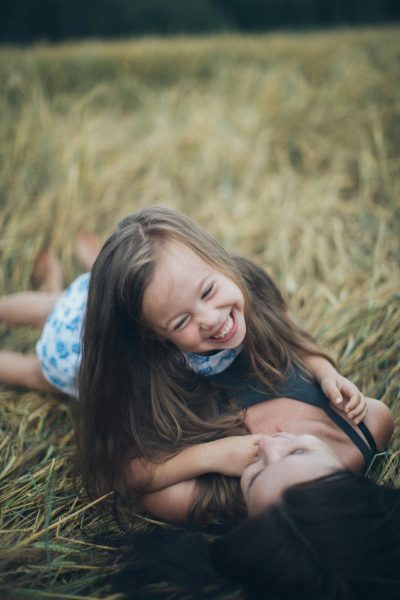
(316, 528)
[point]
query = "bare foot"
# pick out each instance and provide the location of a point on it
(87, 247)
(48, 272)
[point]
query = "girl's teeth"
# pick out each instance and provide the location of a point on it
(227, 329)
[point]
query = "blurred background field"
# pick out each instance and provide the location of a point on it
(286, 147)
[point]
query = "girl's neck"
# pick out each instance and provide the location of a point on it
(211, 364)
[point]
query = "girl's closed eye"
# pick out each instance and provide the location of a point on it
(181, 323)
(207, 291)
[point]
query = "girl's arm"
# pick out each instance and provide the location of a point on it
(341, 392)
(229, 456)
(173, 503)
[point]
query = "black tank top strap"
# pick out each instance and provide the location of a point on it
(369, 449)
(368, 436)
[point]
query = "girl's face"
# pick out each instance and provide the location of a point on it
(191, 304)
(284, 460)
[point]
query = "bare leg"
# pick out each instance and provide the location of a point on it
(23, 370)
(27, 308)
(32, 308)
(87, 248)
(48, 273)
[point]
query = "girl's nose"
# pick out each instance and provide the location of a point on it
(208, 319)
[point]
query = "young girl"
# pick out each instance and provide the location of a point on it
(168, 313)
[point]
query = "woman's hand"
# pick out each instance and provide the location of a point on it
(345, 395)
(231, 455)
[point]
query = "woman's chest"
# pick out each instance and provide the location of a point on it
(294, 416)
(283, 414)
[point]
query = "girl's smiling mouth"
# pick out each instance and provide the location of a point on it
(227, 329)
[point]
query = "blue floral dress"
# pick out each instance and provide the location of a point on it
(59, 346)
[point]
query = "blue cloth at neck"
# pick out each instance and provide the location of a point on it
(213, 364)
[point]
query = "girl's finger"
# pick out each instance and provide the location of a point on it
(338, 399)
(362, 416)
(334, 394)
(355, 401)
(357, 412)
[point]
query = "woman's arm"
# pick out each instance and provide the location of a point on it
(229, 456)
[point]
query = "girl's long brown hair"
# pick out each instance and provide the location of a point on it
(136, 397)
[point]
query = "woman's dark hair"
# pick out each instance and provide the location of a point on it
(136, 397)
(334, 538)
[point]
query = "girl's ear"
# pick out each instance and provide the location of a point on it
(154, 340)
(167, 344)
(160, 337)
(157, 337)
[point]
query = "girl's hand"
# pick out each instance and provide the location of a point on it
(344, 395)
(231, 455)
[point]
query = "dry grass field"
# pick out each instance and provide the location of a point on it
(285, 147)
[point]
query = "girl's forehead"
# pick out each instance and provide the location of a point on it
(176, 261)
(172, 252)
